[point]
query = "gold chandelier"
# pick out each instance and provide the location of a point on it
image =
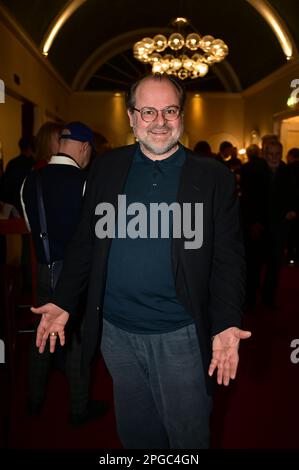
(184, 57)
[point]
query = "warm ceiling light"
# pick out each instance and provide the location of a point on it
(183, 56)
(276, 24)
(59, 21)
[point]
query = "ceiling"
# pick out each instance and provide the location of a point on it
(112, 25)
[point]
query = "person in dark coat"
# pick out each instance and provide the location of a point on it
(16, 171)
(62, 182)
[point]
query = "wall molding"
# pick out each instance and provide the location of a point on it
(20, 34)
(284, 71)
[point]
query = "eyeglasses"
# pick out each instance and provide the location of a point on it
(171, 113)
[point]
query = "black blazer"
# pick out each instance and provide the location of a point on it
(209, 280)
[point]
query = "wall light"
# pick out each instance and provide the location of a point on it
(277, 25)
(57, 24)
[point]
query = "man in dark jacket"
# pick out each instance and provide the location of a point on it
(163, 291)
(293, 241)
(62, 184)
(16, 171)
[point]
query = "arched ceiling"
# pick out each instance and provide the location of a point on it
(92, 51)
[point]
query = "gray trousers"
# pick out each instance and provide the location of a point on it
(159, 388)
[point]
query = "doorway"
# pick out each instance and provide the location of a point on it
(289, 133)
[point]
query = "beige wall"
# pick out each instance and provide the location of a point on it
(10, 127)
(214, 117)
(290, 133)
(105, 112)
(37, 83)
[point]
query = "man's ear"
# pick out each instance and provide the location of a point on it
(85, 146)
(131, 117)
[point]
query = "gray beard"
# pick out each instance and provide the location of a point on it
(158, 150)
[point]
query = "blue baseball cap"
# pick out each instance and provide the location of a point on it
(78, 131)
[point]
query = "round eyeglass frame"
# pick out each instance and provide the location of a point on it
(153, 117)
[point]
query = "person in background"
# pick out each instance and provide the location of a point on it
(268, 139)
(280, 211)
(101, 145)
(16, 171)
(62, 183)
(203, 149)
(293, 157)
(225, 151)
(253, 176)
(269, 206)
(10, 184)
(293, 241)
(46, 143)
(253, 153)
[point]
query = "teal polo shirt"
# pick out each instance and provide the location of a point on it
(140, 294)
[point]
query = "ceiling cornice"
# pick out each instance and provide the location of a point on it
(278, 26)
(284, 71)
(20, 34)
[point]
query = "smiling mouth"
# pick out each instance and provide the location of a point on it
(163, 132)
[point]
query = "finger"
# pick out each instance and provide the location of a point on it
(226, 373)
(234, 360)
(243, 334)
(214, 362)
(213, 366)
(61, 337)
(39, 336)
(38, 310)
(52, 343)
(43, 342)
(233, 367)
(220, 373)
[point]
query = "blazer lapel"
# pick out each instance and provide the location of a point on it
(189, 192)
(118, 174)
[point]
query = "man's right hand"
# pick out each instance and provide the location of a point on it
(52, 324)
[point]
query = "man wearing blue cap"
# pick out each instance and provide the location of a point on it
(52, 200)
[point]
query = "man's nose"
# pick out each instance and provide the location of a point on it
(160, 119)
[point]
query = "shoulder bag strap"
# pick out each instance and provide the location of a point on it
(42, 217)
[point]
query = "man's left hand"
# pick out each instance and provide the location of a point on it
(225, 354)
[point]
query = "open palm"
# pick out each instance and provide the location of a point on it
(225, 356)
(53, 319)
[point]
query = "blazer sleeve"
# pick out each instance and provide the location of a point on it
(228, 274)
(74, 277)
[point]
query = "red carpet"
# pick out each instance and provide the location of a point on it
(51, 430)
(260, 410)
